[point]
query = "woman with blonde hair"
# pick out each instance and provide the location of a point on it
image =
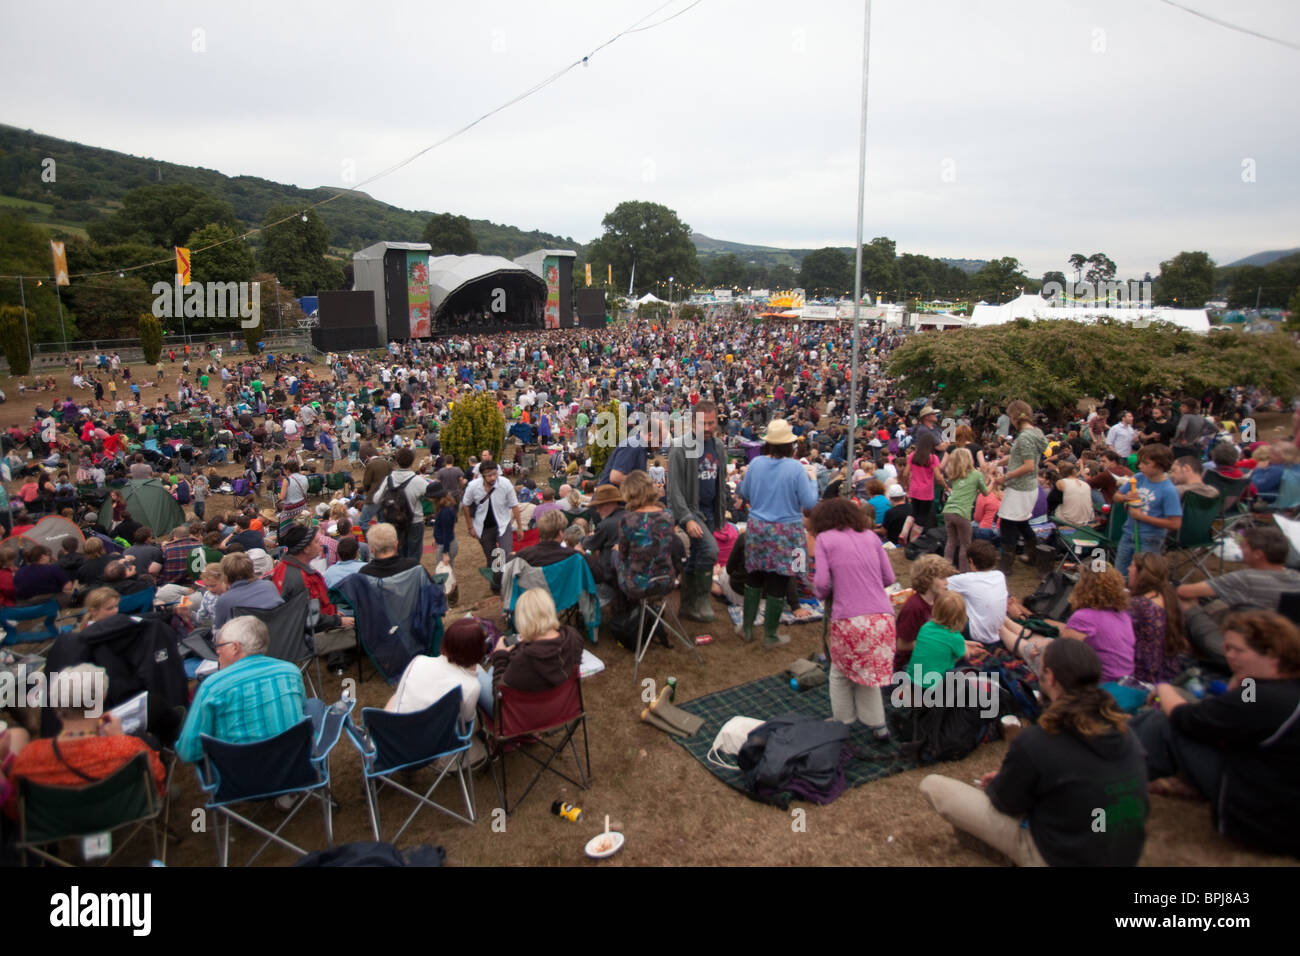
(548, 652)
(966, 482)
(647, 547)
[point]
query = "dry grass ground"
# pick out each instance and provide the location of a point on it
(672, 810)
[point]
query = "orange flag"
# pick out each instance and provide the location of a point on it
(60, 262)
(183, 264)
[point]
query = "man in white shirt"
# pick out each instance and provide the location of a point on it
(490, 506)
(1121, 435)
(985, 592)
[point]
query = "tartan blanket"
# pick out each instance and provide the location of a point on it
(769, 696)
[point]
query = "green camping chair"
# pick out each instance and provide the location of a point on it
(336, 480)
(315, 484)
(1194, 540)
(127, 798)
(1087, 539)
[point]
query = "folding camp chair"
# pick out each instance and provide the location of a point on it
(315, 484)
(1194, 540)
(128, 798)
(1231, 507)
(287, 625)
(654, 606)
(1085, 539)
(47, 630)
(294, 763)
(390, 743)
(522, 720)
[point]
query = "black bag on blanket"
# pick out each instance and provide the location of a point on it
(1052, 599)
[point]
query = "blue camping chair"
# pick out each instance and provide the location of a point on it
(391, 742)
(138, 602)
(295, 762)
(11, 617)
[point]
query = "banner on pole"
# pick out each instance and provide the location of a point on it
(183, 265)
(60, 262)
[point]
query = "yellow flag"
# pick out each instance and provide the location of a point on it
(183, 264)
(611, 273)
(588, 273)
(60, 262)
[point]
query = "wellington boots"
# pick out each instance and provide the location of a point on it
(753, 596)
(697, 602)
(771, 621)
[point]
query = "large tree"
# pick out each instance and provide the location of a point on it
(450, 235)
(109, 306)
(1052, 364)
(653, 238)
(826, 272)
(1100, 268)
(163, 216)
(1186, 280)
(1000, 279)
(880, 275)
(724, 272)
(294, 250)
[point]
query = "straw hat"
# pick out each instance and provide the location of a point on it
(928, 410)
(779, 433)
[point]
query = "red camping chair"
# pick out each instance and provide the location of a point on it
(522, 721)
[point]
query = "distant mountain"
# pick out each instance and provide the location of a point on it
(706, 246)
(90, 183)
(1262, 258)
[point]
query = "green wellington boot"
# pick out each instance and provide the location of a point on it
(697, 602)
(771, 621)
(753, 596)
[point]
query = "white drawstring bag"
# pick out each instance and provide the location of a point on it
(730, 739)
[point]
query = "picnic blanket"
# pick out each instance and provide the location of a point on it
(769, 696)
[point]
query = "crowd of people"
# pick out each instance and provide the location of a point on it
(735, 484)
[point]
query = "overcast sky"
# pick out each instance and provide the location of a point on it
(1031, 128)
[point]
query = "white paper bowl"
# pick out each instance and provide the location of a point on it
(604, 845)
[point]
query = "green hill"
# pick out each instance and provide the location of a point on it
(90, 183)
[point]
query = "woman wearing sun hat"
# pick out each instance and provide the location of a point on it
(778, 490)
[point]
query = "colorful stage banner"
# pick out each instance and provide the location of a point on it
(417, 293)
(551, 268)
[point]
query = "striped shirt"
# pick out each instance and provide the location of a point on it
(254, 699)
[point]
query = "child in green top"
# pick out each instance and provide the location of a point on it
(939, 644)
(967, 481)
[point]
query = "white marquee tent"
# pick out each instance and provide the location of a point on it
(1029, 306)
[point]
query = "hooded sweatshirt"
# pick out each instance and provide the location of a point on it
(1085, 797)
(538, 665)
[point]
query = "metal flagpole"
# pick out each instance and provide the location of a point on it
(22, 295)
(63, 332)
(847, 486)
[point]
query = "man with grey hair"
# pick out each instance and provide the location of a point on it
(251, 697)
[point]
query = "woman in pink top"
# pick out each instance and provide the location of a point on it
(851, 563)
(922, 470)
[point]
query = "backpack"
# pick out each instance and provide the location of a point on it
(791, 755)
(183, 492)
(394, 508)
(932, 541)
(1052, 597)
